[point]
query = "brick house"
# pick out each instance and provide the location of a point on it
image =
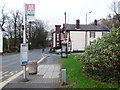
(77, 36)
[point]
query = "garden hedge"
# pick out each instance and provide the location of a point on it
(102, 58)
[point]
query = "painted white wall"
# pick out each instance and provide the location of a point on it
(97, 35)
(1, 40)
(78, 40)
(54, 40)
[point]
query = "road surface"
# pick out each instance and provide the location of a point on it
(11, 63)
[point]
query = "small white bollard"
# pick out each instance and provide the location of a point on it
(64, 75)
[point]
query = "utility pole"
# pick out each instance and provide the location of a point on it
(65, 27)
(87, 15)
(86, 31)
(24, 48)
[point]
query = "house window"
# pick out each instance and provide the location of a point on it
(92, 34)
(91, 42)
(103, 33)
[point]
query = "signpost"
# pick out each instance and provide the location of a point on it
(30, 12)
(29, 15)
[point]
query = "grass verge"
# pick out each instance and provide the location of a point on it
(76, 78)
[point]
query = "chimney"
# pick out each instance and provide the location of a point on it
(78, 24)
(58, 35)
(57, 28)
(95, 22)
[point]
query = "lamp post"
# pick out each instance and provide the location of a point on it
(64, 44)
(87, 15)
(86, 31)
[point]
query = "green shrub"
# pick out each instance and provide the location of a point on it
(102, 58)
(7, 51)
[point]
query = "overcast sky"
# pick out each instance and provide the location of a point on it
(52, 11)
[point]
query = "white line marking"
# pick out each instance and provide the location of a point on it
(41, 59)
(1, 72)
(2, 84)
(1, 77)
(5, 72)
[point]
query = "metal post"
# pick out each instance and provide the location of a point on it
(86, 31)
(64, 75)
(24, 31)
(24, 41)
(86, 18)
(24, 75)
(65, 27)
(8, 44)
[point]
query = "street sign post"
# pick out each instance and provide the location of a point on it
(29, 16)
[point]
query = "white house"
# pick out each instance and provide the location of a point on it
(79, 36)
(1, 40)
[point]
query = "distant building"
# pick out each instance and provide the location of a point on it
(78, 36)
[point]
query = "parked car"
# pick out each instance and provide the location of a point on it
(58, 51)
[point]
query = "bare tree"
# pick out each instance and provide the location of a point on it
(116, 17)
(114, 7)
(3, 18)
(19, 25)
(38, 34)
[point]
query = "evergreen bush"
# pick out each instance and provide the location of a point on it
(102, 58)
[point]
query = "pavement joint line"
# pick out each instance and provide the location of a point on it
(2, 84)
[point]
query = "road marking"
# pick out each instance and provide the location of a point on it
(9, 74)
(2, 84)
(41, 59)
(16, 71)
(1, 77)
(6, 65)
(1, 72)
(5, 72)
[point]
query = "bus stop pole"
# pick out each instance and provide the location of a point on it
(24, 41)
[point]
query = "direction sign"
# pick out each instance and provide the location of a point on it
(30, 12)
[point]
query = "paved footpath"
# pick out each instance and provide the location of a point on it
(48, 75)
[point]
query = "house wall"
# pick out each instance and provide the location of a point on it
(54, 40)
(77, 40)
(97, 35)
(1, 40)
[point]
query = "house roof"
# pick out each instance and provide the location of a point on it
(72, 27)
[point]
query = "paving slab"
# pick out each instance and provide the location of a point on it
(47, 76)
